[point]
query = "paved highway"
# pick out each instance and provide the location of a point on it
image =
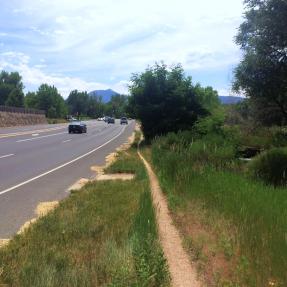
(39, 163)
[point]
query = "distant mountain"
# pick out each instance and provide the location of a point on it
(105, 94)
(229, 100)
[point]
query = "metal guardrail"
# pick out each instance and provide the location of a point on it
(21, 110)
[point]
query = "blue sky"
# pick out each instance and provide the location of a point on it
(95, 44)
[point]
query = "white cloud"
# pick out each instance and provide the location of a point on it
(112, 39)
(34, 76)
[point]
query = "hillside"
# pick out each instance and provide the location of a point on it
(105, 94)
(229, 100)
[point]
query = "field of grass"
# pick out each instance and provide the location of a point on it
(103, 235)
(205, 172)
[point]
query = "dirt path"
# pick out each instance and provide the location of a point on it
(181, 271)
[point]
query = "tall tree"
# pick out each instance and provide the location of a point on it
(262, 73)
(117, 106)
(11, 89)
(48, 99)
(15, 98)
(164, 100)
(78, 102)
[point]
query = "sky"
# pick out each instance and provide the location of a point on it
(98, 44)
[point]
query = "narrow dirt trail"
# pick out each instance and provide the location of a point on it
(181, 271)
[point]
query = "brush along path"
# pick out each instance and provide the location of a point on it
(181, 271)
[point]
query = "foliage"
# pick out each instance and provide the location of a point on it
(262, 74)
(11, 89)
(48, 99)
(207, 97)
(117, 106)
(164, 100)
(78, 103)
(271, 167)
(15, 98)
(205, 169)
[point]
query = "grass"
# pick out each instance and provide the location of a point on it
(207, 172)
(103, 235)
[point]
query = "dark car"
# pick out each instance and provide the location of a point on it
(124, 121)
(111, 120)
(77, 127)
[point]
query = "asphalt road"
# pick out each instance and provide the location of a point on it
(39, 163)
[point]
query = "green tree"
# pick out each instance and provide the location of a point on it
(78, 103)
(31, 100)
(96, 107)
(11, 89)
(117, 106)
(207, 97)
(48, 99)
(262, 73)
(15, 98)
(164, 100)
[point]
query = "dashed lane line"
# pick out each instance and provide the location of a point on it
(62, 165)
(41, 137)
(7, 155)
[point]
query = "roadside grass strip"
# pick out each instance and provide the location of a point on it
(104, 234)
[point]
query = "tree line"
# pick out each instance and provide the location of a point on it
(48, 98)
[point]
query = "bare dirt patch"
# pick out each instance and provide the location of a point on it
(42, 209)
(183, 274)
(211, 244)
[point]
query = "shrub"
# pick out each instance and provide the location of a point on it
(270, 167)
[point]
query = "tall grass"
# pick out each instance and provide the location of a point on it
(103, 235)
(205, 170)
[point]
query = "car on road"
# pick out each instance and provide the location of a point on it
(111, 120)
(77, 127)
(124, 121)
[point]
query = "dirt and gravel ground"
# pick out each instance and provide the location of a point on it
(182, 273)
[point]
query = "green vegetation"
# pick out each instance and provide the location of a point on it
(262, 73)
(165, 100)
(271, 167)
(48, 99)
(197, 167)
(11, 89)
(103, 235)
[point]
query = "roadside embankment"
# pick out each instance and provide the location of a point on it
(9, 119)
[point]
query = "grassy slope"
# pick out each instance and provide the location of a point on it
(256, 214)
(102, 235)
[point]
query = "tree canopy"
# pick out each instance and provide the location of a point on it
(11, 89)
(48, 99)
(262, 73)
(164, 100)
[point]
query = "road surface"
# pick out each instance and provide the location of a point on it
(39, 163)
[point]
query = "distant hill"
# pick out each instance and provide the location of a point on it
(229, 100)
(105, 94)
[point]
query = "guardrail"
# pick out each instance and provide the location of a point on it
(21, 110)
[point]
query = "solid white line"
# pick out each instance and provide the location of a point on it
(7, 155)
(32, 139)
(66, 141)
(60, 166)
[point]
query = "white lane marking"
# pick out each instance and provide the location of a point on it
(62, 165)
(66, 141)
(34, 135)
(30, 132)
(7, 155)
(32, 139)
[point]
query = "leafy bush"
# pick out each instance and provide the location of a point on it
(271, 167)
